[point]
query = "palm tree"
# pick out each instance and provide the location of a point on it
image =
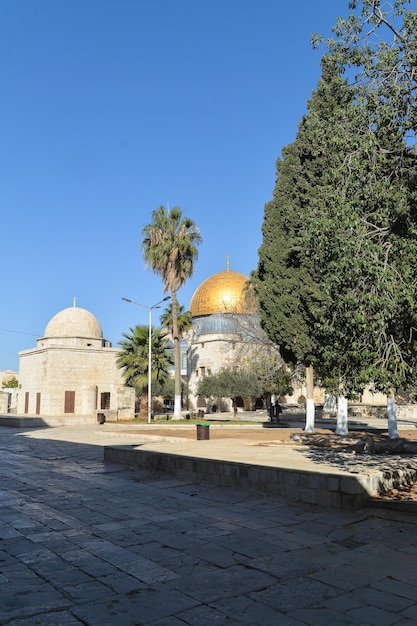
(169, 248)
(134, 360)
(184, 320)
(184, 323)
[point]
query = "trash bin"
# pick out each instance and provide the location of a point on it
(101, 418)
(200, 412)
(203, 431)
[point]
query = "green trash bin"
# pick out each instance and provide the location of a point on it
(203, 431)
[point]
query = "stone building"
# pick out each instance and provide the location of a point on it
(221, 315)
(8, 395)
(72, 373)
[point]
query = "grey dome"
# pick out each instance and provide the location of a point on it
(217, 324)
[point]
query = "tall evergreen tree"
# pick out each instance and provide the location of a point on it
(343, 262)
(289, 276)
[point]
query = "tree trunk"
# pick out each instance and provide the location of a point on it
(392, 416)
(143, 406)
(342, 416)
(177, 358)
(309, 428)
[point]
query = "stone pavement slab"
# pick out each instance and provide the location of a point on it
(84, 542)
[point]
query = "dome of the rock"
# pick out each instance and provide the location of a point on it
(221, 293)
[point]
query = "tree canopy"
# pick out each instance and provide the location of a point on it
(11, 383)
(376, 46)
(169, 244)
(231, 384)
(368, 332)
(337, 266)
(184, 319)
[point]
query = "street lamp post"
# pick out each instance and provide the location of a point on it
(150, 308)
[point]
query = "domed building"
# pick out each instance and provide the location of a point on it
(223, 292)
(221, 314)
(72, 374)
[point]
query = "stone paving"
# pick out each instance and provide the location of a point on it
(84, 542)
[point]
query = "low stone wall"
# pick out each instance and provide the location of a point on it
(33, 421)
(406, 412)
(21, 422)
(316, 488)
(365, 411)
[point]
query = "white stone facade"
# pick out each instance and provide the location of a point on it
(208, 354)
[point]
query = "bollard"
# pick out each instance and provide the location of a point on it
(203, 431)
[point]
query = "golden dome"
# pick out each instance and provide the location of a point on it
(221, 293)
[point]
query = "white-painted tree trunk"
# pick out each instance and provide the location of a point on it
(309, 428)
(177, 408)
(392, 417)
(310, 410)
(177, 357)
(342, 416)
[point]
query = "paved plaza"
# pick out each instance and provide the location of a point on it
(84, 542)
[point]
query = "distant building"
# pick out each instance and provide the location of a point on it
(6, 376)
(72, 373)
(8, 395)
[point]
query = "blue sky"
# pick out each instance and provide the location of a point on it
(111, 108)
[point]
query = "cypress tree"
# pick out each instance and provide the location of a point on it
(336, 268)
